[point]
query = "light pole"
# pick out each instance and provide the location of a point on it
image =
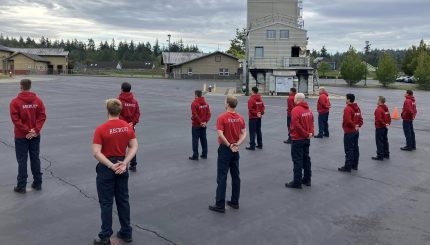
(168, 65)
(366, 51)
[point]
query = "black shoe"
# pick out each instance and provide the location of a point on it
(193, 158)
(36, 187)
(406, 148)
(250, 148)
(19, 190)
(354, 168)
(132, 169)
(203, 157)
(293, 185)
(233, 206)
(344, 169)
(414, 148)
(99, 241)
(259, 147)
(125, 239)
(216, 209)
(318, 136)
(378, 158)
(307, 183)
(387, 157)
(327, 135)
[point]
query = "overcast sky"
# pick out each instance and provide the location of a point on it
(211, 23)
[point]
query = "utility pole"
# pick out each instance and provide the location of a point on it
(366, 51)
(168, 65)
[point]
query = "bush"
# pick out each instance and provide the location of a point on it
(387, 70)
(353, 69)
(422, 73)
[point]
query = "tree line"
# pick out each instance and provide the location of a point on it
(85, 53)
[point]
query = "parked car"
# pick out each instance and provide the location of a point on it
(400, 79)
(405, 79)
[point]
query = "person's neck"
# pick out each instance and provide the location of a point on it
(231, 110)
(112, 118)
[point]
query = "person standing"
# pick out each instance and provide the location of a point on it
(352, 122)
(231, 134)
(382, 122)
(256, 110)
(290, 106)
(201, 114)
(114, 146)
(27, 112)
(323, 113)
(130, 113)
(409, 113)
(302, 130)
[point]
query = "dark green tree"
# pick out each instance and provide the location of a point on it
(238, 44)
(353, 69)
(386, 72)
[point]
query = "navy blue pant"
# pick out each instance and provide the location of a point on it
(199, 133)
(323, 124)
(255, 129)
(288, 125)
(133, 162)
(382, 145)
(24, 148)
(408, 129)
(301, 160)
(110, 186)
(352, 151)
(227, 160)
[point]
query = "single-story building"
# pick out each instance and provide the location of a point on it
(29, 60)
(168, 59)
(217, 65)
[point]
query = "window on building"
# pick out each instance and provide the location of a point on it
(284, 34)
(190, 71)
(224, 72)
(218, 58)
(259, 52)
(271, 34)
(29, 66)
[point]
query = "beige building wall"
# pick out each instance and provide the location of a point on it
(22, 64)
(55, 61)
(4, 54)
(209, 66)
(258, 9)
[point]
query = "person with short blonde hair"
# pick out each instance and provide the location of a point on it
(114, 145)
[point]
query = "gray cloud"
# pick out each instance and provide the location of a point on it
(211, 23)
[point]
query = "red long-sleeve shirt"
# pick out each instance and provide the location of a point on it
(290, 103)
(200, 112)
(351, 118)
(409, 111)
(255, 106)
(27, 112)
(323, 103)
(302, 122)
(130, 108)
(382, 116)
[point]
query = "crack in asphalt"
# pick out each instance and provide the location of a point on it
(84, 194)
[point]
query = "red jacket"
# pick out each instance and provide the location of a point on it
(302, 122)
(409, 111)
(130, 108)
(290, 103)
(382, 116)
(27, 112)
(323, 103)
(351, 118)
(200, 111)
(255, 105)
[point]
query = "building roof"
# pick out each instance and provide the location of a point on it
(4, 48)
(207, 55)
(30, 56)
(42, 51)
(179, 57)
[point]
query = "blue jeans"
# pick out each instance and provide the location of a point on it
(323, 124)
(199, 133)
(352, 150)
(408, 129)
(24, 148)
(255, 129)
(110, 185)
(301, 160)
(227, 160)
(289, 125)
(382, 145)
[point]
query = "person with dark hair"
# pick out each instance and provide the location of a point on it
(302, 130)
(114, 146)
(352, 122)
(382, 122)
(256, 110)
(200, 116)
(290, 106)
(27, 112)
(231, 134)
(409, 112)
(130, 113)
(323, 113)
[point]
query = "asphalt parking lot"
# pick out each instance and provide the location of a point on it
(383, 203)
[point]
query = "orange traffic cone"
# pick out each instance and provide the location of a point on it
(396, 114)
